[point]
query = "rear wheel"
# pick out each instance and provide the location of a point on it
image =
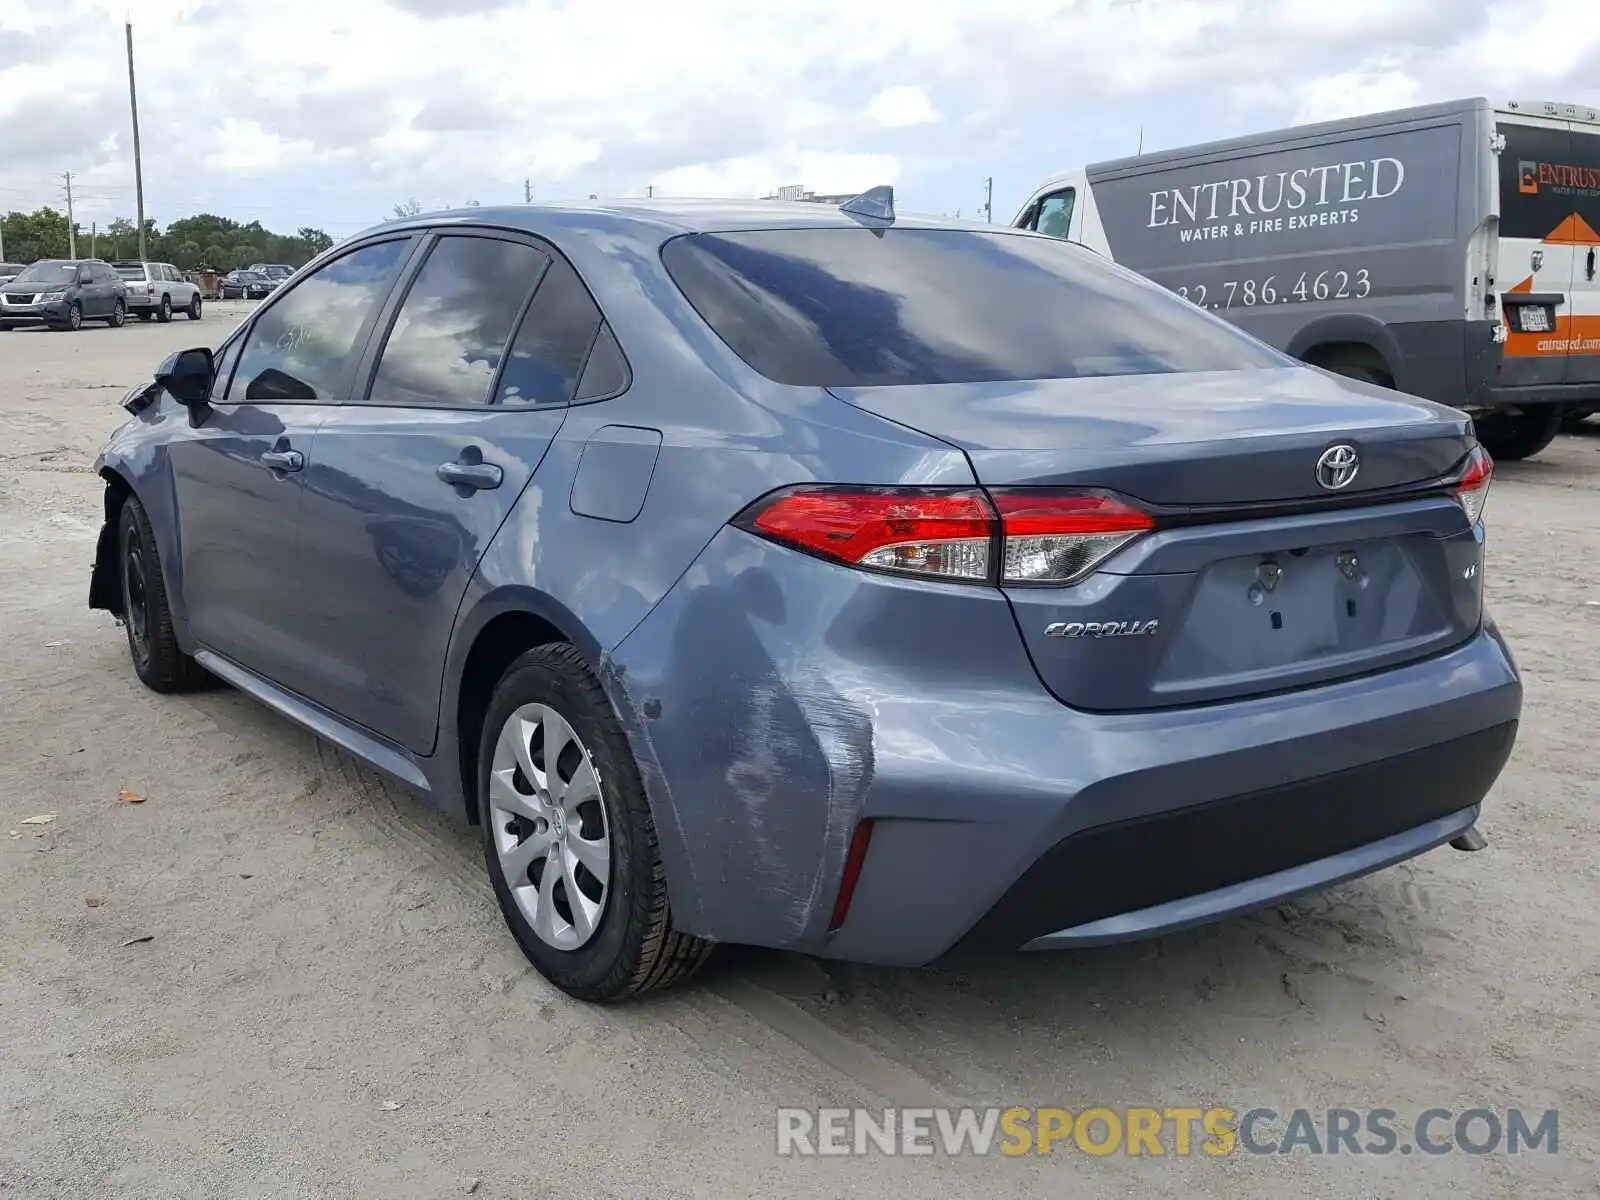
(1361, 364)
(1509, 437)
(164, 314)
(119, 314)
(568, 837)
(194, 308)
(146, 614)
(145, 314)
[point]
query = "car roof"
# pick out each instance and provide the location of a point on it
(660, 220)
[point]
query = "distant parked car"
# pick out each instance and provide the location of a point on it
(245, 285)
(63, 293)
(9, 271)
(158, 290)
(277, 272)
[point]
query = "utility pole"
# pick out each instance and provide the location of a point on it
(1141, 139)
(94, 239)
(988, 199)
(650, 191)
(72, 227)
(138, 163)
(527, 191)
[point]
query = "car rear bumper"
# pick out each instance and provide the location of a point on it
(775, 702)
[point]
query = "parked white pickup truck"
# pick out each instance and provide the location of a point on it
(158, 290)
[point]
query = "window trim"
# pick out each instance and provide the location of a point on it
(363, 337)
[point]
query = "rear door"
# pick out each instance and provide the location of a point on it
(1583, 346)
(1547, 240)
(468, 386)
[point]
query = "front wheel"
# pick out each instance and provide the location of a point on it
(146, 613)
(1510, 437)
(75, 316)
(119, 314)
(193, 310)
(164, 314)
(568, 837)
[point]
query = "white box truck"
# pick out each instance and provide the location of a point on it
(1446, 250)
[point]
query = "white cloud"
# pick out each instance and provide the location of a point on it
(899, 107)
(319, 112)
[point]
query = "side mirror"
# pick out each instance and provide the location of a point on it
(186, 376)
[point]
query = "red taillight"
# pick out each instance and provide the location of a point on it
(853, 862)
(1041, 537)
(1060, 539)
(922, 532)
(149, 289)
(1473, 489)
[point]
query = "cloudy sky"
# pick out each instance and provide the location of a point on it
(329, 112)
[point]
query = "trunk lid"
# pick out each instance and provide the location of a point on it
(1258, 578)
(1213, 438)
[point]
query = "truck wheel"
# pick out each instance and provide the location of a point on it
(568, 837)
(194, 308)
(1512, 437)
(165, 314)
(1352, 364)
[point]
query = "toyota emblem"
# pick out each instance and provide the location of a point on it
(1338, 466)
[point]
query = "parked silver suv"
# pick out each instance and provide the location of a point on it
(158, 290)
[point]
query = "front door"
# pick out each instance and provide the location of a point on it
(240, 473)
(1549, 217)
(412, 482)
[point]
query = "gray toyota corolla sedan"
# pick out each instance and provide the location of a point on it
(815, 578)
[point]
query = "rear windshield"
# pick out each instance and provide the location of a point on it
(130, 272)
(858, 308)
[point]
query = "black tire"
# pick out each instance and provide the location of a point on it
(634, 948)
(1367, 368)
(119, 314)
(1512, 437)
(145, 314)
(193, 310)
(146, 615)
(164, 313)
(74, 317)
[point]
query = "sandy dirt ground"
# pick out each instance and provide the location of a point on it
(326, 1004)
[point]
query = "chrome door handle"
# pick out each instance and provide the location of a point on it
(283, 460)
(479, 476)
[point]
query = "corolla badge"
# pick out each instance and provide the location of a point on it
(1100, 629)
(1337, 466)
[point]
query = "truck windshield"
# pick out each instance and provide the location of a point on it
(846, 307)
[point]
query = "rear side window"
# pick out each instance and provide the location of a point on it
(553, 342)
(452, 329)
(849, 307)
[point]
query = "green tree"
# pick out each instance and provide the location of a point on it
(35, 235)
(203, 240)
